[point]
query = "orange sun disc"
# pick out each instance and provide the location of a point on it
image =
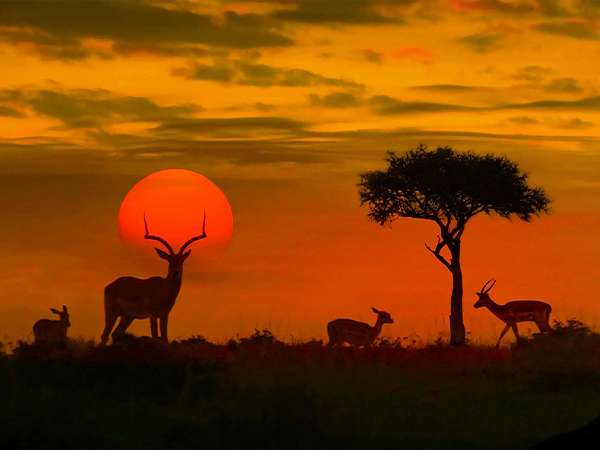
(174, 202)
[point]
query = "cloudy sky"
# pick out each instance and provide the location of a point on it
(282, 104)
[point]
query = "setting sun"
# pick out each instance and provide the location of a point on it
(174, 202)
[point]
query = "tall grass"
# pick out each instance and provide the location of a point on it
(258, 392)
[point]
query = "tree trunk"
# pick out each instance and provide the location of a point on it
(457, 326)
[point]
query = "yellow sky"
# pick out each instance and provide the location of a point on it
(282, 104)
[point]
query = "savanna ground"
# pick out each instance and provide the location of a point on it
(258, 392)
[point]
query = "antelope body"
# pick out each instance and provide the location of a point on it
(356, 333)
(516, 311)
(46, 331)
(133, 298)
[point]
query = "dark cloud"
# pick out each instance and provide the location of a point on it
(261, 75)
(552, 8)
(449, 88)
(335, 100)
(121, 153)
(534, 74)
(564, 85)
(589, 8)
(576, 123)
(255, 153)
(58, 27)
(46, 45)
(264, 107)
(133, 49)
(523, 120)
(508, 8)
(231, 127)
(384, 105)
(181, 149)
(481, 42)
(327, 12)
(590, 103)
(83, 108)
(577, 30)
(201, 71)
(371, 55)
(380, 135)
(65, 48)
(7, 111)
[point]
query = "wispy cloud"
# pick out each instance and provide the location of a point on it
(481, 42)
(458, 88)
(261, 75)
(573, 29)
(564, 85)
(497, 6)
(82, 108)
(575, 124)
(7, 111)
(230, 127)
(534, 74)
(371, 55)
(335, 100)
(523, 120)
(59, 29)
(326, 12)
(589, 103)
(384, 105)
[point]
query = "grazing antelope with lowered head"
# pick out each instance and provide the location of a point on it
(516, 311)
(356, 333)
(134, 298)
(46, 331)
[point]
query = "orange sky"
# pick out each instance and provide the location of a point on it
(282, 104)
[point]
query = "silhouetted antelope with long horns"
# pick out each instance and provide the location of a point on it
(46, 331)
(356, 333)
(516, 311)
(134, 298)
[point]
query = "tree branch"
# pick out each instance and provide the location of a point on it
(438, 248)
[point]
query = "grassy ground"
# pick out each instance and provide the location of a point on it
(260, 393)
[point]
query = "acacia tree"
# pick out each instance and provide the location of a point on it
(449, 188)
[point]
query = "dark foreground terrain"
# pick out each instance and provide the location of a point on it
(260, 393)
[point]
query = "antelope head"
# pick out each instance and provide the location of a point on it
(175, 260)
(64, 315)
(484, 298)
(383, 316)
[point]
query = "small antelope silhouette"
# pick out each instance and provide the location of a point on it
(46, 331)
(356, 333)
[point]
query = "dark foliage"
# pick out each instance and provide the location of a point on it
(584, 438)
(449, 187)
(259, 392)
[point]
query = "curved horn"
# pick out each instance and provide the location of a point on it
(195, 238)
(156, 238)
(484, 290)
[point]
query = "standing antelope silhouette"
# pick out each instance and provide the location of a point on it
(133, 298)
(356, 333)
(46, 331)
(516, 311)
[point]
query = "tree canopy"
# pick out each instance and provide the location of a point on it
(449, 188)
